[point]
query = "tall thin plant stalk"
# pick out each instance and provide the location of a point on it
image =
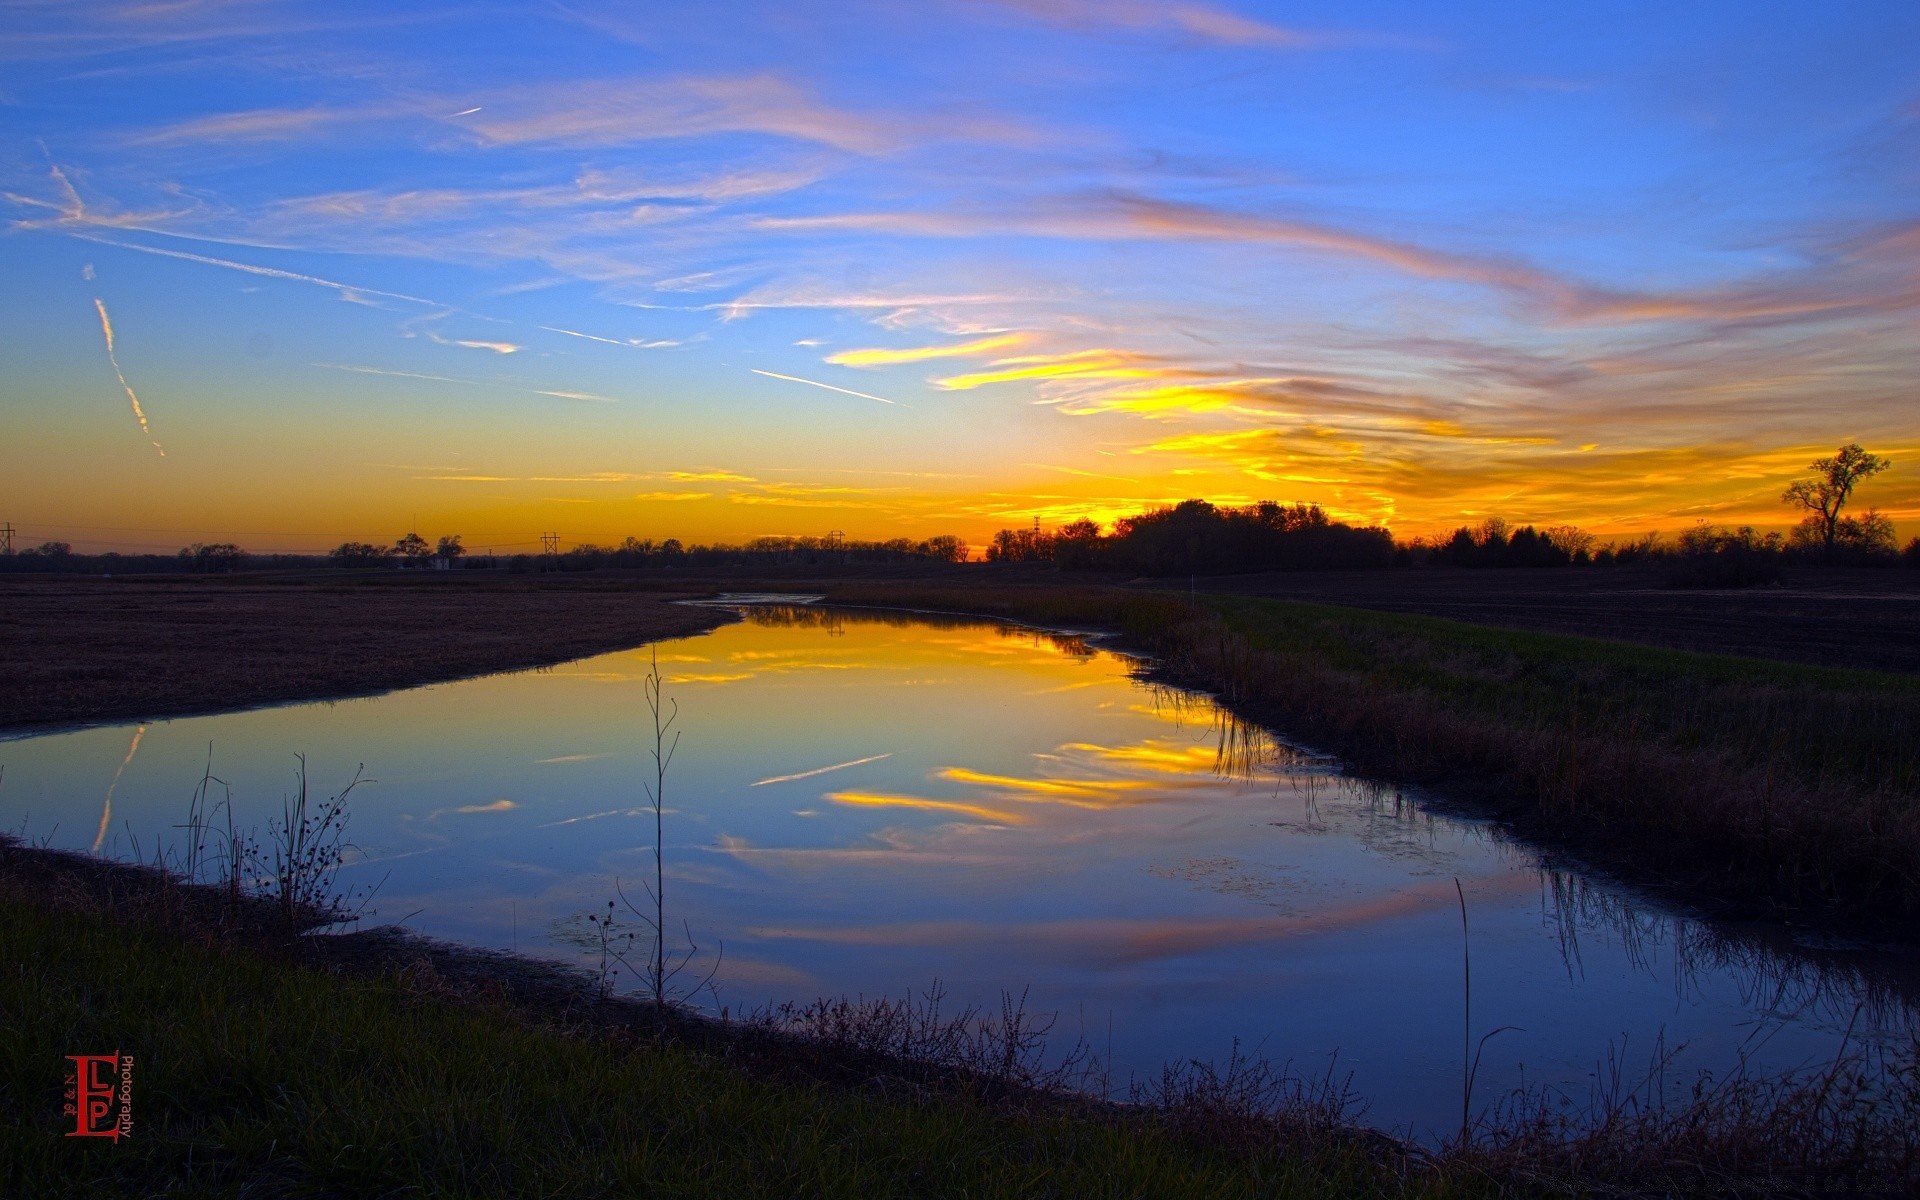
(665, 711)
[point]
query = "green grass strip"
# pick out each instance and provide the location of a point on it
(253, 1077)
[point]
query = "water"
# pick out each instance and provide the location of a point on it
(862, 803)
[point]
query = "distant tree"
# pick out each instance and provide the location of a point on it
(1021, 545)
(1874, 534)
(413, 548)
(51, 550)
(945, 547)
(359, 554)
(1077, 544)
(1496, 543)
(220, 557)
(1571, 540)
(1912, 553)
(1718, 557)
(449, 547)
(1865, 538)
(1824, 496)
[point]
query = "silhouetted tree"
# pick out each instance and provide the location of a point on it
(449, 547)
(1715, 556)
(945, 547)
(1020, 545)
(359, 554)
(1495, 543)
(214, 557)
(1825, 495)
(413, 548)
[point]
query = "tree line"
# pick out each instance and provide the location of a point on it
(1192, 537)
(1195, 537)
(413, 550)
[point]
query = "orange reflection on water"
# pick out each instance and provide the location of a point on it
(999, 816)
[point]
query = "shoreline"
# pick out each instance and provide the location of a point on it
(1532, 776)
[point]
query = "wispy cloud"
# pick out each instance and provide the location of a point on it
(976, 348)
(816, 383)
(1197, 20)
(496, 347)
(636, 343)
(615, 112)
(106, 328)
(1077, 364)
(347, 291)
(270, 124)
(358, 370)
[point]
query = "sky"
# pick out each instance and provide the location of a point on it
(290, 274)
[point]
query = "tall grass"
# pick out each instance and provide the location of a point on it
(1773, 783)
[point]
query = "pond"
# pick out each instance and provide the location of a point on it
(864, 802)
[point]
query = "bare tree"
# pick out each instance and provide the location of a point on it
(1825, 496)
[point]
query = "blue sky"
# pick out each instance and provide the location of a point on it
(497, 269)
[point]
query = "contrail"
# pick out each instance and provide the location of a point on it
(106, 327)
(820, 770)
(106, 811)
(345, 289)
(828, 386)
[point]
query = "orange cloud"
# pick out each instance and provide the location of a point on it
(1080, 364)
(875, 358)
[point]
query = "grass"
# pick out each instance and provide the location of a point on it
(256, 1077)
(1791, 786)
(270, 1065)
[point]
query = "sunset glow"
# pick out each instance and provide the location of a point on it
(728, 270)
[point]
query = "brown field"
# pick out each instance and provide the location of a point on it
(74, 648)
(1837, 617)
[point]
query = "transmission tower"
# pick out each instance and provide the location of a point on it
(6, 538)
(549, 544)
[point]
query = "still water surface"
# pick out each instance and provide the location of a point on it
(864, 802)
